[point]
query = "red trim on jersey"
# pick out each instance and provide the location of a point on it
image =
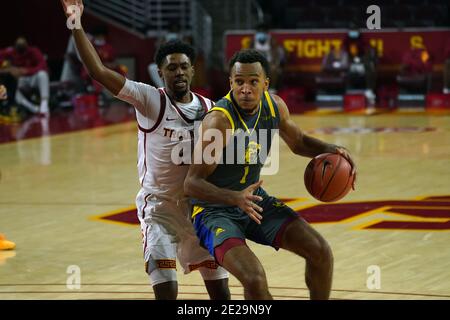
(162, 110)
(180, 113)
(223, 248)
(145, 239)
(146, 228)
(145, 206)
(145, 159)
(203, 102)
(277, 242)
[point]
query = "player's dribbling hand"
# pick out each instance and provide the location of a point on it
(344, 152)
(246, 202)
(3, 94)
(67, 3)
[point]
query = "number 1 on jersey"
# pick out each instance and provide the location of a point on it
(244, 178)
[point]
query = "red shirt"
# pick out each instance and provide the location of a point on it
(417, 61)
(32, 59)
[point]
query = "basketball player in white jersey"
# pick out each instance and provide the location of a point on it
(163, 115)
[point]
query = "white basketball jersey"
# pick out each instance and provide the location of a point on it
(158, 171)
(158, 174)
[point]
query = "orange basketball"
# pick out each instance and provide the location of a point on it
(328, 177)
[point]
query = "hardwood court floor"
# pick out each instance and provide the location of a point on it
(52, 188)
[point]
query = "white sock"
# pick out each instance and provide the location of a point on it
(44, 106)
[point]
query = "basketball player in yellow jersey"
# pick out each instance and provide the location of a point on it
(231, 206)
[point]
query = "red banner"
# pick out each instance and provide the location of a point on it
(306, 49)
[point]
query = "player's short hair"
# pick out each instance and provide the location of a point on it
(250, 56)
(174, 46)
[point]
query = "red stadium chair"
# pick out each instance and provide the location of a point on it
(354, 102)
(437, 101)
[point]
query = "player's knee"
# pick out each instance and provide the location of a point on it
(255, 281)
(323, 255)
(166, 290)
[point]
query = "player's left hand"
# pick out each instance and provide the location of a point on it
(346, 154)
(67, 3)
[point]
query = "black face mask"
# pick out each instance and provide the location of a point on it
(21, 49)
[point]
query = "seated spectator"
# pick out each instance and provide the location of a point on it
(275, 54)
(75, 75)
(416, 61)
(106, 52)
(333, 75)
(336, 61)
(416, 70)
(362, 64)
(28, 66)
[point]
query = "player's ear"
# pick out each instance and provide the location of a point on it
(160, 73)
(266, 84)
(231, 82)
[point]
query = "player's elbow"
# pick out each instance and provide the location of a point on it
(300, 146)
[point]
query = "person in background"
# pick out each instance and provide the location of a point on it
(99, 39)
(362, 63)
(336, 61)
(27, 64)
(267, 45)
(417, 64)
